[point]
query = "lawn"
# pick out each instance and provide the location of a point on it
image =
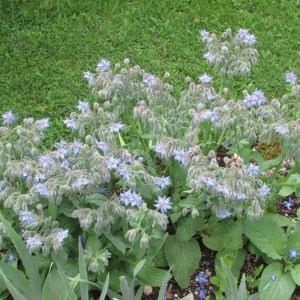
(47, 45)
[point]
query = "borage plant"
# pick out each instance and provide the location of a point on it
(141, 179)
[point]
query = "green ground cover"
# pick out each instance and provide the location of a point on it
(46, 45)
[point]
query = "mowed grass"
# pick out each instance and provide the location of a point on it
(46, 45)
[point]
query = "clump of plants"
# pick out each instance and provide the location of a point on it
(122, 203)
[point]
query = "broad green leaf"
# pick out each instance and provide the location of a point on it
(117, 242)
(187, 228)
(96, 199)
(295, 273)
(12, 289)
(275, 284)
(267, 236)
(93, 243)
(270, 163)
(184, 257)
(150, 275)
(293, 242)
(84, 289)
(224, 235)
(280, 220)
(57, 286)
(286, 191)
(31, 269)
(17, 278)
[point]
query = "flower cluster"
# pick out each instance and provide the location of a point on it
(231, 54)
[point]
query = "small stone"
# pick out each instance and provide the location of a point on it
(148, 290)
(188, 297)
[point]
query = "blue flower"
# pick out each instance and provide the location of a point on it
(76, 147)
(83, 106)
(162, 182)
(289, 204)
(8, 118)
(42, 124)
(41, 189)
(27, 217)
(163, 204)
(281, 129)
(2, 186)
(291, 77)
(256, 99)
(205, 78)
(208, 115)
(202, 292)
(209, 56)
(34, 243)
(223, 214)
(149, 79)
(11, 258)
(246, 37)
(264, 190)
(202, 278)
(204, 35)
(160, 149)
(81, 183)
(181, 156)
(112, 163)
(61, 235)
(104, 147)
(89, 77)
(116, 127)
(124, 172)
(46, 161)
(71, 123)
(252, 170)
(103, 66)
(131, 198)
(294, 253)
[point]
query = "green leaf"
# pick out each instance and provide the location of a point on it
(275, 284)
(294, 241)
(117, 242)
(267, 236)
(29, 264)
(12, 289)
(184, 257)
(84, 289)
(286, 191)
(16, 278)
(233, 259)
(105, 288)
(127, 294)
(138, 267)
(163, 287)
(150, 275)
(295, 273)
(267, 164)
(224, 235)
(228, 281)
(57, 286)
(187, 228)
(280, 220)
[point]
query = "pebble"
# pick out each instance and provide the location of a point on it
(188, 297)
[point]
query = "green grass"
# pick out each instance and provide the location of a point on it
(46, 45)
